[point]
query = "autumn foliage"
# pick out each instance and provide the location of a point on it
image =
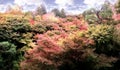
(44, 41)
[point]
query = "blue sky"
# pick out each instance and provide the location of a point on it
(71, 6)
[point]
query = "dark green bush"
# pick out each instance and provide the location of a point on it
(8, 56)
(17, 33)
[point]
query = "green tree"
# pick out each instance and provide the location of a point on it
(118, 6)
(56, 12)
(90, 16)
(106, 11)
(8, 58)
(98, 15)
(63, 15)
(41, 10)
(59, 13)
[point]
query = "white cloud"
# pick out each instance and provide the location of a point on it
(68, 5)
(73, 12)
(28, 2)
(3, 7)
(113, 1)
(29, 5)
(93, 3)
(97, 3)
(77, 10)
(50, 7)
(64, 3)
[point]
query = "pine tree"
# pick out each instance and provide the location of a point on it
(56, 12)
(63, 15)
(41, 10)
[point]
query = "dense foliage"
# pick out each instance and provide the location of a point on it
(89, 41)
(8, 50)
(73, 47)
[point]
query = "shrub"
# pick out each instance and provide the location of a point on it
(39, 28)
(91, 18)
(14, 32)
(48, 51)
(8, 56)
(102, 34)
(116, 39)
(79, 54)
(43, 54)
(116, 33)
(17, 34)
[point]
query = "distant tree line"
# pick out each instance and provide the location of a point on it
(41, 10)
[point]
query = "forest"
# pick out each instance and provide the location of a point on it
(54, 40)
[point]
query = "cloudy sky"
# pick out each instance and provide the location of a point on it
(72, 6)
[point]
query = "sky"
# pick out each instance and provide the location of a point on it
(71, 6)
